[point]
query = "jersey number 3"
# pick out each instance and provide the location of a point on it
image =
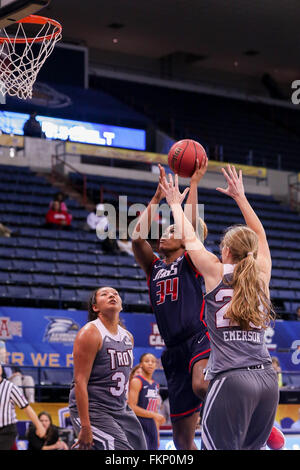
(167, 287)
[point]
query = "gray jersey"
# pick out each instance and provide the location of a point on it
(108, 382)
(231, 347)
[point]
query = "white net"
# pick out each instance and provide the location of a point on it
(21, 56)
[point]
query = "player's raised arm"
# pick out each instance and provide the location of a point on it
(205, 261)
(141, 248)
(235, 189)
(191, 205)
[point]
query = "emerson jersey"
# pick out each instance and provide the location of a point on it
(231, 347)
(177, 299)
(108, 382)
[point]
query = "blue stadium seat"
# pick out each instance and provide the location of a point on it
(43, 279)
(108, 282)
(56, 376)
(107, 270)
(68, 294)
(84, 281)
(24, 253)
(17, 277)
(45, 266)
(66, 268)
(3, 290)
(83, 295)
(61, 280)
(88, 269)
(86, 258)
(42, 293)
(18, 292)
(23, 265)
(4, 277)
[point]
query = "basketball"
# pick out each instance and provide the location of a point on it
(276, 439)
(183, 155)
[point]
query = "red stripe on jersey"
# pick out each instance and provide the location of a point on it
(202, 312)
(198, 355)
(186, 412)
(150, 271)
(187, 257)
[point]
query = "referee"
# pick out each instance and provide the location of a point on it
(9, 397)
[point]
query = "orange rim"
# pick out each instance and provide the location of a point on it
(35, 19)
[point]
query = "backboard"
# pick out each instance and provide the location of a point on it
(14, 10)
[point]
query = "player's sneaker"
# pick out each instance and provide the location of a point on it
(276, 439)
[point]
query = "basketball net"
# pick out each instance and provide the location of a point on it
(23, 54)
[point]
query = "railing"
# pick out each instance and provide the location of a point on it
(53, 381)
(294, 191)
(59, 163)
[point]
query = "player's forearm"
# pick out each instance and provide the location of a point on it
(141, 412)
(82, 401)
(32, 416)
(184, 226)
(142, 228)
(191, 205)
(250, 217)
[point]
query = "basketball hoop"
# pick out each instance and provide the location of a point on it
(24, 47)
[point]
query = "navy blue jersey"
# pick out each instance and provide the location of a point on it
(148, 396)
(149, 400)
(177, 299)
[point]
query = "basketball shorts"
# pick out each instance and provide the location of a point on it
(178, 362)
(113, 430)
(150, 432)
(245, 402)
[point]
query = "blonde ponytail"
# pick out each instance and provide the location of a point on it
(250, 306)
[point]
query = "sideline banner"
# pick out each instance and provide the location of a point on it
(44, 337)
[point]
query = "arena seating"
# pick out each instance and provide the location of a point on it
(239, 126)
(60, 268)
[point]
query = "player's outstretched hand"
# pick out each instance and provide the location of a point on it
(200, 170)
(235, 188)
(159, 194)
(85, 439)
(171, 190)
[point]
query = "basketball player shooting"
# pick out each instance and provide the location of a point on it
(176, 295)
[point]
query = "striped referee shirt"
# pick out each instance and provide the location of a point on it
(10, 395)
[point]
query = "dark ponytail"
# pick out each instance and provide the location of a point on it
(92, 315)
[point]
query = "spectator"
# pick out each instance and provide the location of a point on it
(298, 313)
(296, 425)
(3, 352)
(135, 371)
(277, 368)
(25, 383)
(4, 231)
(9, 397)
(57, 217)
(51, 440)
(93, 220)
(60, 197)
(100, 225)
(32, 127)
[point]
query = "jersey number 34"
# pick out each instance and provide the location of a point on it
(167, 287)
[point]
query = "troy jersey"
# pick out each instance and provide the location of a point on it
(177, 299)
(148, 396)
(231, 347)
(108, 382)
